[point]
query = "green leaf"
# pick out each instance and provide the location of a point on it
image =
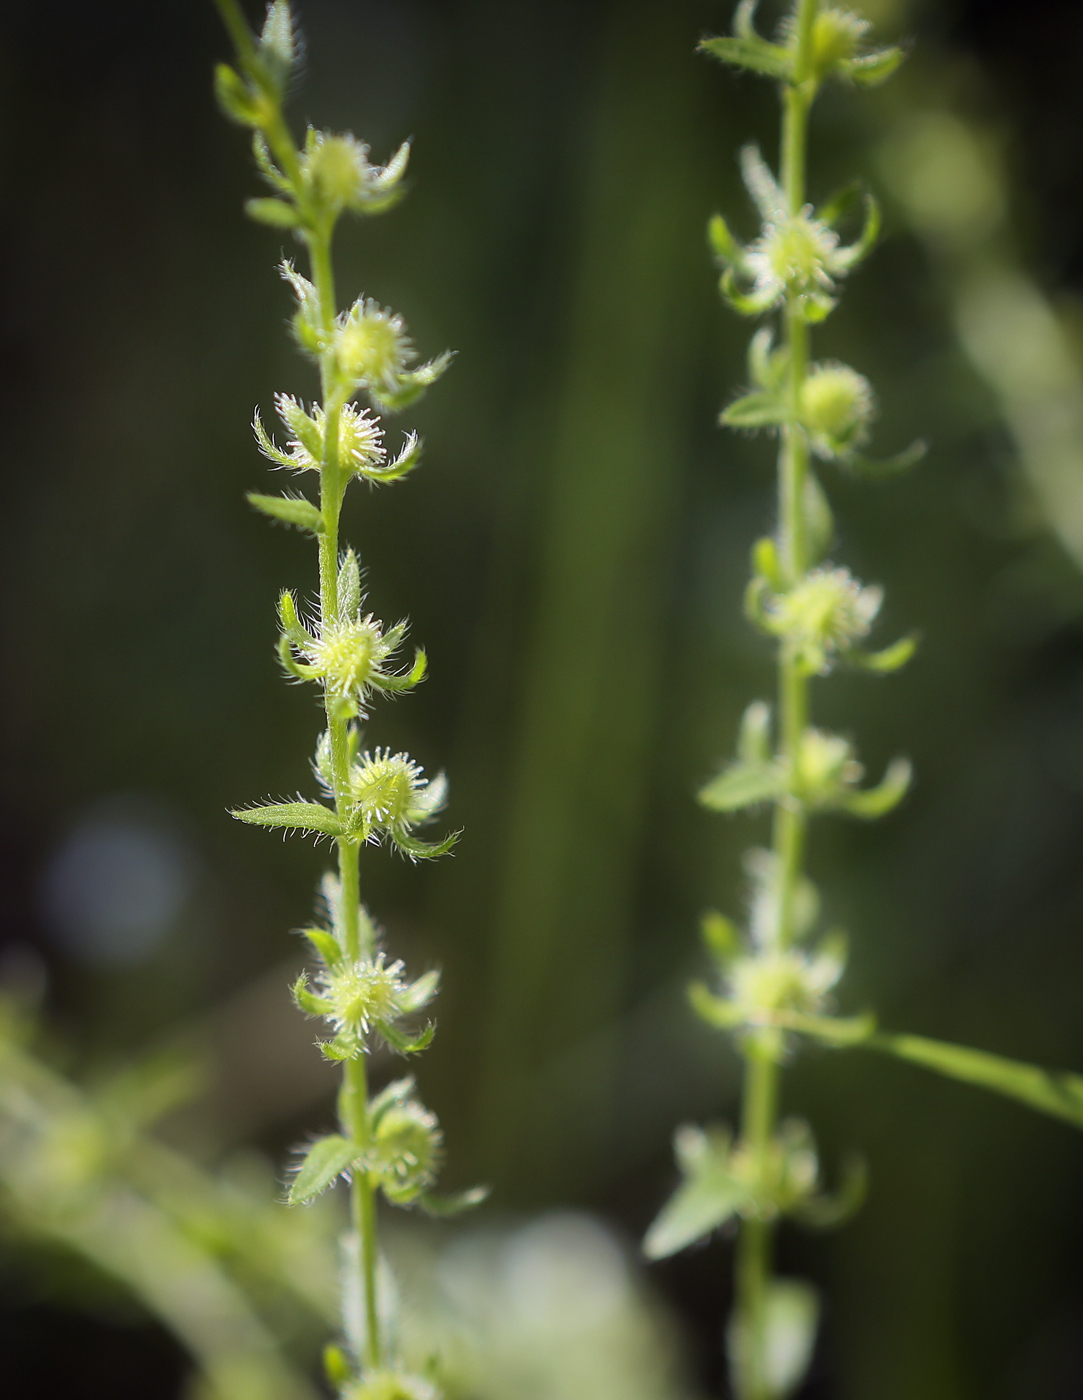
(326, 945)
(349, 587)
(453, 1204)
(715, 1010)
(275, 212)
(423, 850)
(886, 661)
(325, 1161)
(720, 935)
(878, 801)
(873, 68)
(742, 304)
(293, 816)
(791, 1319)
(723, 244)
(754, 736)
(336, 1366)
(837, 206)
(766, 563)
(405, 1044)
(758, 410)
(706, 1198)
(235, 97)
(824, 1212)
(291, 510)
(833, 1030)
(742, 785)
(874, 470)
(752, 52)
(818, 519)
(1055, 1092)
(413, 677)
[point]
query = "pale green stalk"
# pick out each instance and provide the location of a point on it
(388, 1142)
(755, 1246)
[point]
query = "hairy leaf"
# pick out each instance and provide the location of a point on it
(293, 816)
(752, 52)
(326, 1159)
(454, 1203)
(291, 510)
(742, 785)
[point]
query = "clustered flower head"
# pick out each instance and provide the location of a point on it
(372, 347)
(360, 439)
(336, 174)
(390, 1385)
(360, 997)
(390, 791)
(823, 615)
(349, 654)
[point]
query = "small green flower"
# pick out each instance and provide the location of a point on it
(336, 174)
(406, 1151)
(372, 347)
(390, 796)
(823, 615)
(782, 979)
(825, 768)
(390, 1385)
(360, 438)
(837, 406)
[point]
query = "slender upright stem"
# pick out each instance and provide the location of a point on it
(354, 1099)
(761, 1086)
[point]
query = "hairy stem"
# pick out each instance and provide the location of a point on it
(354, 1102)
(761, 1086)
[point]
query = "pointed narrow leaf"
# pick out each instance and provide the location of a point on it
(873, 68)
(818, 519)
(275, 212)
(886, 661)
(294, 816)
(874, 470)
(759, 410)
(406, 1044)
(453, 1204)
(824, 1212)
(291, 510)
(700, 1204)
(424, 850)
(742, 785)
(1055, 1092)
(326, 945)
(878, 801)
(754, 737)
(720, 935)
(327, 1159)
(715, 1010)
(833, 1030)
(723, 244)
(750, 51)
(791, 1319)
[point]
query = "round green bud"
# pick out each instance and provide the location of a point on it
(372, 346)
(388, 789)
(793, 254)
(837, 405)
(335, 167)
(390, 1385)
(363, 993)
(836, 39)
(825, 613)
(406, 1151)
(825, 766)
(345, 655)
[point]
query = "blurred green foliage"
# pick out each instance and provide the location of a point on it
(584, 531)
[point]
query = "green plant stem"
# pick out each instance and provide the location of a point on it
(761, 1086)
(354, 1103)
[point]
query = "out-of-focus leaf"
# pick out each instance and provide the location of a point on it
(326, 1160)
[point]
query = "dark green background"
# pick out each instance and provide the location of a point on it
(572, 555)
